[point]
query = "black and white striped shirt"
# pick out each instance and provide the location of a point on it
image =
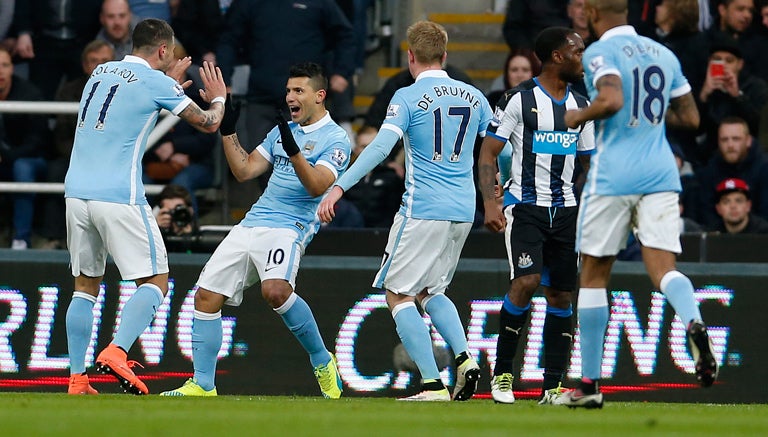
(544, 149)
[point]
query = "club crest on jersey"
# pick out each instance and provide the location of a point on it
(555, 142)
(339, 157)
(179, 90)
(524, 261)
(596, 63)
(309, 146)
(498, 115)
(393, 110)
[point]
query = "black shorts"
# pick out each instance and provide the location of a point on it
(542, 241)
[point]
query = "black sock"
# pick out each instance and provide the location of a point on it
(510, 327)
(558, 333)
(589, 387)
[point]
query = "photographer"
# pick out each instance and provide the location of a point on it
(174, 213)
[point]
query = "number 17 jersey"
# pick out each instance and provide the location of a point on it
(632, 153)
(439, 119)
(120, 105)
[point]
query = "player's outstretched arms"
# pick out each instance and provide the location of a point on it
(609, 100)
(683, 112)
(214, 92)
(326, 210)
(486, 166)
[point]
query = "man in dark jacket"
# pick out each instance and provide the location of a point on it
(734, 208)
(51, 34)
(23, 142)
(738, 157)
(272, 35)
(735, 92)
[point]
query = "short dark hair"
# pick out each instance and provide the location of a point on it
(549, 40)
(172, 191)
(311, 70)
(94, 46)
(151, 33)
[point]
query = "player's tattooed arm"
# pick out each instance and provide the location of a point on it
(683, 112)
(244, 165)
(609, 101)
(204, 121)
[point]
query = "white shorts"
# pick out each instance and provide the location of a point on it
(604, 222)
(247, 254)
(127, 232)
(421, 254)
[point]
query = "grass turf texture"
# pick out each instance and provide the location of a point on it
(104, 415)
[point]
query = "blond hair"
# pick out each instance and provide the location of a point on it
(427, 41)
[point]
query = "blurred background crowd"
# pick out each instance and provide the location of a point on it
(48, 48)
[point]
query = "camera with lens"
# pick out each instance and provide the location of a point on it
(181, 216)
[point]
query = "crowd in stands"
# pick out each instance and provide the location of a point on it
(49, 48)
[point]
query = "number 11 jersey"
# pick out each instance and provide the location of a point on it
(632, 153)
(120, 105)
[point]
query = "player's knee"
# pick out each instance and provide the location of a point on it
(275, 292)
(558, 298)
(525, 286)
(208, 301)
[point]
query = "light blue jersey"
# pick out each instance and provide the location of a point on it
(438, 119)
(119, 107)
(286, 203)
(633, 155)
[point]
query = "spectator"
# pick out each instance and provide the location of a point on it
(738, 157)
(677, 28)
(95, 53)
(734, 208)
(160, 9)
(526, 18)
(117, 23)
(735, 21)
(735, 92)
(174, 211)
(51, 35)
(23, 141)
(520, 66)
(197, 24)
(579, 20)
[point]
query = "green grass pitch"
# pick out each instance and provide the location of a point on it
(37, 414)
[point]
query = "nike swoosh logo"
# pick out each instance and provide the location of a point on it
(270, 268)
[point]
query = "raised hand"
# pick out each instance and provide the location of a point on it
(213, 82)
(289, 143)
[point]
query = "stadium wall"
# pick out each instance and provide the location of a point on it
(645, 353)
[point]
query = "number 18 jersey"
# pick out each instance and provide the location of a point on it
(120, 105)
(633, 155)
